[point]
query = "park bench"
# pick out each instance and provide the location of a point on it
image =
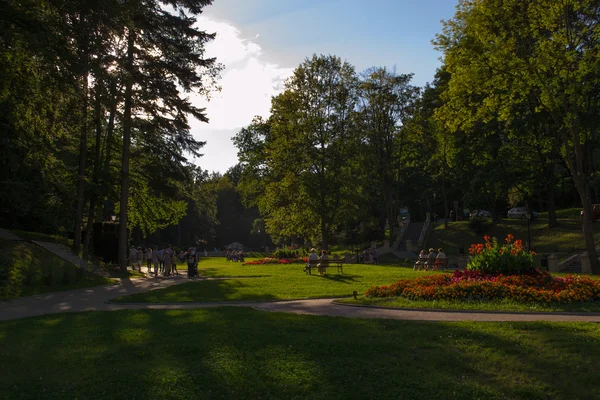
(441, 263)
(313, 264)
(420, 264)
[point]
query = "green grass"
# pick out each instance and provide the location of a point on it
(504, 305)
(43, 237)
(235, 353)
(27, 269)
(274, 282)
(565, 238)
(573, 213)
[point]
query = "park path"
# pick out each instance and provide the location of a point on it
(98, 299)
(5, 234)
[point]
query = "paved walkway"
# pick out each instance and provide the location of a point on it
(5, 234)
(97, 299)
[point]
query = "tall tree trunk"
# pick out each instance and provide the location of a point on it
(96, 173)
(82, 160)
(575, 156)
(552, 221)
(324, 235)
(114, 101)
(127, 122)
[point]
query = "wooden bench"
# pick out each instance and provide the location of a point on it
(314, 264)
(420, 264)
(441, 263)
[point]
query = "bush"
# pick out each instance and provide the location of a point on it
(493, 258)
(285, 254)
(479, 225)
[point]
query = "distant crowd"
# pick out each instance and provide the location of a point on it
(164, 260)
(234, 255)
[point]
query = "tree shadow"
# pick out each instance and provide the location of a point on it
(244, 354)
(341, 278)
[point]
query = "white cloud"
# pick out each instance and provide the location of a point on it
(248, 83)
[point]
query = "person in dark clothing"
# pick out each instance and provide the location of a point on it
(192, 262)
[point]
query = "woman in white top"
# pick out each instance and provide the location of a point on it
(324, 262)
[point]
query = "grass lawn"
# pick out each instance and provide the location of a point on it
(43, 237)
(27, 269)
(236, 353)
(563, 239)
(504, 305)
(274, 282)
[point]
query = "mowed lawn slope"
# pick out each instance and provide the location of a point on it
(238, 353)
(568, 236)
(27, 269)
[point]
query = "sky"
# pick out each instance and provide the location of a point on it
(261, 42)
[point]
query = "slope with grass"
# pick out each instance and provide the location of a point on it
(27, 269)
(273, 282)
(563, 239)
(246, 354)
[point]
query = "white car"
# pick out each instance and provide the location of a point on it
(520, 212)
(481, 214)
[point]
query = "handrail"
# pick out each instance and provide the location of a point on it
(403, 229)
(424, 231)
(573, 252)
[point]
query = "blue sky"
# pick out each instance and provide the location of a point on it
(260, 42)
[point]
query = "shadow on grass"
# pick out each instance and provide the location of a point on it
(198, 291)
(245, 354)
(341, 278)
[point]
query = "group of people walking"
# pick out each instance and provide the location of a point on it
(164, 260)
(234, 255)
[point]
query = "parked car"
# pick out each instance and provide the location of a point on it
(595, 212)
(481, 214)
(520, 212)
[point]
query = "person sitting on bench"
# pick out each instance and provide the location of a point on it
(324, 262)
(430, 263)
(441, 259)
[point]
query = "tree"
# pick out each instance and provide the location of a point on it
(307, 147)
(386, 100)
(163, 60)
(502, 53)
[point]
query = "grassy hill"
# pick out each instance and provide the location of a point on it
(27, 269)
(565, 238)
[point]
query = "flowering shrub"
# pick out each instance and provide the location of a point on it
(532, 286)
(277, 261)
(285, 254)
(492, 257)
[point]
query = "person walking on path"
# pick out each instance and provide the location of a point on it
(161, 261)
(149, 259)
(155, 261)
(132, 256)
(192, 261)
(167, 260)
(139, 254)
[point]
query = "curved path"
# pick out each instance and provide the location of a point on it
(98, 299)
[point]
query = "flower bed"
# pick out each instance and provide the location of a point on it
(270, 260)
(534, 286)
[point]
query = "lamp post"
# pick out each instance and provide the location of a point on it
(528, 231)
